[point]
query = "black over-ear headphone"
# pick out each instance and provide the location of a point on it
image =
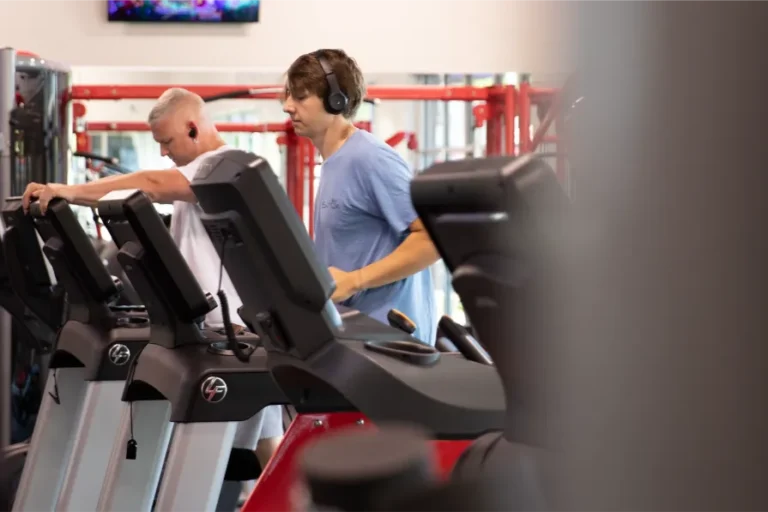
(335, 100)
(193, 132)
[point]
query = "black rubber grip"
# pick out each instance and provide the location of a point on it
(400, 321)
(464, 342)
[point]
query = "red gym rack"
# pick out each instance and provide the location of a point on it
(504, 109)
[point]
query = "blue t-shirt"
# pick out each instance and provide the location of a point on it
(363, 211)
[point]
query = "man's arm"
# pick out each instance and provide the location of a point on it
(416, 253)
(164, 186)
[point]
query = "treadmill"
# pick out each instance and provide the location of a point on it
(193, 383)
(37, 305)
(78, 417)
(496, 222)
(27, 292)
(329, 359)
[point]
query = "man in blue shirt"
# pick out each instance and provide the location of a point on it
(366, 229)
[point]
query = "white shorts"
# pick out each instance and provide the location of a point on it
(266, 424)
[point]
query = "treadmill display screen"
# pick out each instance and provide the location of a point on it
(29, 247)
(267, 251)
(485, 206)
(60, 223)
(133, 218)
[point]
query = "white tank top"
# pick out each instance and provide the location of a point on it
(190, 236)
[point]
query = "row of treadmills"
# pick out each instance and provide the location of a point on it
(141, 403)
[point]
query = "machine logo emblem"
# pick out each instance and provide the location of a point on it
(119, 354)
(214, 389)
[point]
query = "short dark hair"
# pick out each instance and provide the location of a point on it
(306, 76)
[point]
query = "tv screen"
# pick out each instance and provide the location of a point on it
(197, 11)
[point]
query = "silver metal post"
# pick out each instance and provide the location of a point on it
(7, 100)
(469, 122)
(447, 282)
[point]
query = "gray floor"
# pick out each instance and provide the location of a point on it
(229, 499)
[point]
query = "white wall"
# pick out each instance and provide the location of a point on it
(385, 36)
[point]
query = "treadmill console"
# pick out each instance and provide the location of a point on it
(23, 265)
(320, 361)
(267, 252)
(78, 268)
(28, 292)
(493, 221)
(92, 327)
(27, 246)
(174, 299)
(61, 231)
(489, 218)
(492, 207)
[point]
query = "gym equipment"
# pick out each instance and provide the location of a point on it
(463, 341)
(78, 417)
(285, 293)
(327, 359)
(26, 289)
(12, 460)
(489, 219)
(37, 307)
(34, 93)
(193, 379)
(34, 141)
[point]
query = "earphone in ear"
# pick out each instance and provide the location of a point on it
(193, 132)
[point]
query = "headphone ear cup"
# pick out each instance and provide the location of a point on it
(336, 102)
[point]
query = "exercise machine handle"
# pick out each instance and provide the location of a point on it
(400, 321)
(443, 344)
(94, 156)
(108, 161)
(464, 342)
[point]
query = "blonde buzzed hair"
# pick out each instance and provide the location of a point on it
(171, 100)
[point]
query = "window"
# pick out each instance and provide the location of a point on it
(448, 133)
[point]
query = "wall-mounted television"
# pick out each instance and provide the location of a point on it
(190, 11)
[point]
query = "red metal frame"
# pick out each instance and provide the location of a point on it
(278, 488)
(131, 126)
(524, 114)
(529, 97)
(152, 92)
(506, 112)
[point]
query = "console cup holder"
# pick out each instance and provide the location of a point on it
(221, 348)
(419, 354)
(132, 321)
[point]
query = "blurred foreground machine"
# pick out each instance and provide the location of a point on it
(494, 221)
